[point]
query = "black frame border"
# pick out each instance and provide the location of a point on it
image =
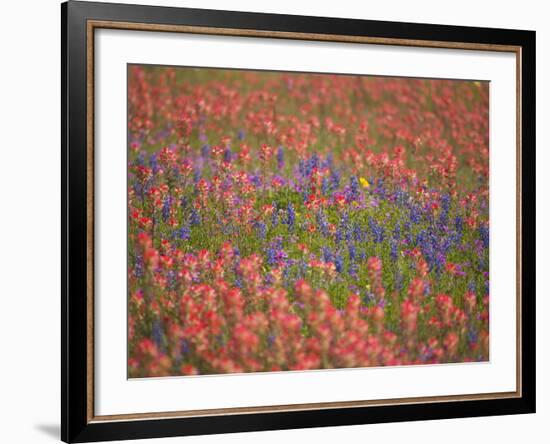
(75, 425)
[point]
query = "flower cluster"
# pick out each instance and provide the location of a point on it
(284, 221)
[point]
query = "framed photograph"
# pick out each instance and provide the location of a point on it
(276, 221)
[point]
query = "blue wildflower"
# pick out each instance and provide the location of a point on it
(324, 186)
(327, 255)
(280, 158)
(183, 233)
(322, 222)
(352, 252)
(377, 231)
(274, 215)
(158, 334)
(166, 208)
(291, 216)
(195, 218)
(415, 214)
(339, 263)
(138, 266)
(262, 229)
(153, 163)
(393, 251)
(484, 235)
(197, 175)
(335, 176)
(227, 155)
(397, 231)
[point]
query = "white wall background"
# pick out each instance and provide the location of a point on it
(30, 219)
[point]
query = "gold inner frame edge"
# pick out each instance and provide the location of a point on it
(98, 24)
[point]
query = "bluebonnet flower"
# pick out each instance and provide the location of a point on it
(408, 233)
(138, 188)
(262, 230)
(352, 252)
(227, 154)
(327, 255)
(339, 263)
(239, 280)
(344, 230)
(329, 161)
(153, 163)
(195, 218)
(472, 336)
(398, 282)
(393, 250)
(166, 205)
(205, 151)
(256, 180)
(241, 134)
(440, 261)
(184, 347)
(353, 192)
(286, 274)
(426, 241)
(401, 197)
(306, 167)
(397, 231)
(324, 186)
(459, 227)
(322, 222)
(291, 216)
(157, 335)
(427, 289)
(302, 268)
(377, 231)
(445, 244)
(358, 232)
(313, 162)
(280, 157)
(305, 194)
(171, 275)
(140, 159)
(274, 215)
(335, 177)
(271, 255)
(183, 233)
(415, 214)
(339, 235)
(197, 175)
(138, 266)
(484, 235)
(380, 189)
(275, 253)
(302, 168)
(353, 269)
(444, 215)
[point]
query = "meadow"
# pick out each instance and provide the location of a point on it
(287, 221)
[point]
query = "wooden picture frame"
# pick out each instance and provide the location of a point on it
(80, 20)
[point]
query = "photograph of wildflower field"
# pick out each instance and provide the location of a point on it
(295, 221)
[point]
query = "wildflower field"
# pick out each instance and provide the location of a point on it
(285, 221)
